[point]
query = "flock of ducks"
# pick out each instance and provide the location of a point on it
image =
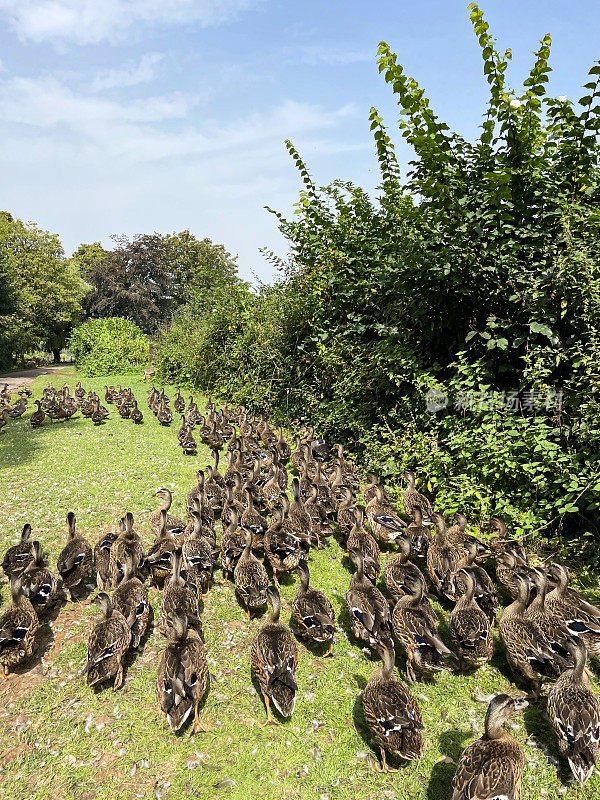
(548, 629)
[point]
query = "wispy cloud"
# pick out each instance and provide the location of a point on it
(93, 21)
(332, 55)
(132, 74)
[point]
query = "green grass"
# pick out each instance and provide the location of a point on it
(60, 739)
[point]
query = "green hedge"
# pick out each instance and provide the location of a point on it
(111, 345)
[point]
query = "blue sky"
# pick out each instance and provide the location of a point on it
(129, 116)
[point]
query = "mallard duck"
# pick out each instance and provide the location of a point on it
(312, 611)
(274, 656)
(368, 608)
(254, 522)
(319, 523)
(128, 541)
(175, 526)
(39, 582)
(574, 711)
(164, 414)
(99, 414)
(345, 515)
(470, 628)
(75, 560)
(107, 644)
(415, 626)
(182, 679)
(20, 555)
(297, 508)
(392, 713)
(130, 598)
(361, 540)
(385, 524)
(38, 416)
(458, 536)
(178, 402)
(399, 569)
(528, 651)
(102, 555)
(18, 626)
(282, 546)
(178, 598)
(4, 417)
(419, 534)
(492, 767)
(553, 626)
(160, 555)
(198, 562)
(251, 579)
(135, 414)
(443, 558)
(485, 593)
(580, 617)
(507, 567)
(233, 544)
(412, 498)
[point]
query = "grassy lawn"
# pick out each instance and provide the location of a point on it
(60, 739)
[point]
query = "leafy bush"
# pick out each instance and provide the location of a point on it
(110, 345)
(476, 277)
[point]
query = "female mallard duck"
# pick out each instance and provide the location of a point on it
(470, 629)
(297, 508)
(99, 413)
(319, 523)
(204, 513)
(4, 417)
(368, 608)
(580, 617)
(182, 679)
(75, 560)
(501, 542)
(492, 767)
(412, 498)
(386, 526)
(178, 598)
(485, 593)
(574, 711)
(419, 534)
(18, 626)
(175, 526)
(361, 540)
(443, 558)
(399, 569)
(135, 414)
(458, 536)
(130, 598)
(39, 582)
(415, 626)
(20, 555)
(107, 644)
(274, 656)
(251, 579)
(178, 402)
(38, 416)
(197, 493)
(345, 513)
(392, 713)
(283, 547)
(159, 556)
(127, 542)
(102, 555)
(553, 627)
(312, 611)
(254, 522)
(507, 568)
(233, 544)
(528, 651)
(164, 414)
(198, 562)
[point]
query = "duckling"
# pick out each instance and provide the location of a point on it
(398, 570)
(20, 555)
(368, 608)
(392, 713)
(38, 416)
(175, 526)
(360, 539)
(233, 544)
(412, 497)
(419, 534)
(580, 617)
(182, 679)
(159, 556)
(18, 627)
(127, 542)
(75, 560)
(312, 611)
(130, 598)
(574, 711)
(197, 552)
(443, 558)
(274, 657)
(107, 644)
(385, 524)
(415, 626)
(178, 598)
(492, 767)
(528, 651)
(39, 582)
(470, 629)
(251, 579)
(102, 555)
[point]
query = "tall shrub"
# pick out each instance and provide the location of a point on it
(109, 345)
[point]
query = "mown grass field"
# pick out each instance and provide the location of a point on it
(60, 739)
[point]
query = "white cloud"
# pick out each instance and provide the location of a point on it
(334, 56)
(93, 21)
(132, 74)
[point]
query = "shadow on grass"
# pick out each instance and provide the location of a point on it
(451, 744)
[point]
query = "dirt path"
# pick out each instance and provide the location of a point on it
(27, 376)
